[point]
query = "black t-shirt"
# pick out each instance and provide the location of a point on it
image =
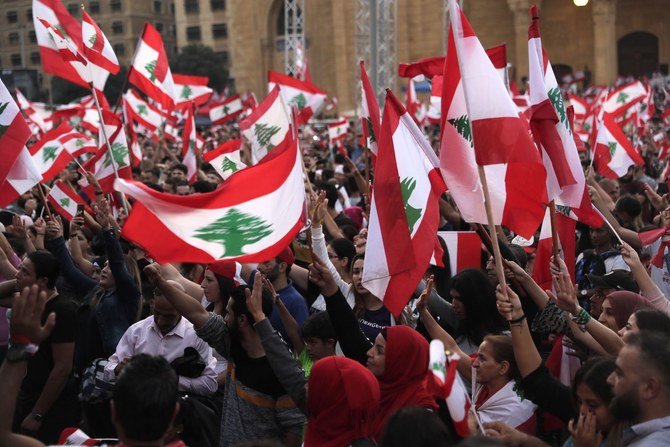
(41, 364)
(256, 374)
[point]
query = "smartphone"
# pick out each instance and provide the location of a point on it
(80, 211)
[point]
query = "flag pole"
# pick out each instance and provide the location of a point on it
(44, 200)
(554, 232)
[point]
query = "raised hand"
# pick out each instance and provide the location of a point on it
(153, 273)
(509, 307)
(101, 209)
(584, 432)
(255, 298)
(54, 228)
(630, 256)
(321, 276)
(26, 321)
(18, 228)
(565, 297)
(422, 302)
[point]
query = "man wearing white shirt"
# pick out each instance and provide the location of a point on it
(167, 334)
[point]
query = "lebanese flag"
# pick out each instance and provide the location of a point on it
(150, 71)
(580, 106)
(412, 101)
(251, 217)
(565, 229)
(267, 126)
(65, 200)
(338, 130)
(621, 98)
(446, 383)
(22, 176)
(227, 110)
(14, 131)
(370, 118)
(191, 88)
(226, 159)
(97, 48)
(101, 164)
(499, 135)
(550, 124)
(428, 67)
(614, 153)
(57, 148)
(404, 214)
(190, 146)
(464, 248)
(171, 131)
(517, 189)
(142, 112)
(307, 97)
(90, 119)
(434, 114)
(498, 57)
(30, 113)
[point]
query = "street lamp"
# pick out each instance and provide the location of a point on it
(580, 2)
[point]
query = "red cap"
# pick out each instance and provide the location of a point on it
(225, 268)
(286, 255)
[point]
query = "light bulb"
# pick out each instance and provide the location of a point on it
(580, 2)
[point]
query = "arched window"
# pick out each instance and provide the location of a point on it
(637, 54)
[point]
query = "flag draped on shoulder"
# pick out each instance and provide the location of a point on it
(150, 71)
(614, 153)
(97, 48)
(517, 188)
(65, 200)
(226, 158)
(404, 215)
(227, 110)
(307, 97)
(191, 88)
(267, 126)
(251, 217)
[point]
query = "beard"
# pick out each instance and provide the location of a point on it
(626, 407)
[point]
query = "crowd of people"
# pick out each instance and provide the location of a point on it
(102, 345)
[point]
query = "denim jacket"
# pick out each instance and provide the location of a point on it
(117, 308)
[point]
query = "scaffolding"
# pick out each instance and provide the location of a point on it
(294, 38)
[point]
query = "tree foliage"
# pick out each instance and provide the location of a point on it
(201, 60)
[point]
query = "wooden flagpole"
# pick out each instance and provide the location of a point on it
(554, 232)
(44, 201)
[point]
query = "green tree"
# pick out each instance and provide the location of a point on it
(371, 130)
(92, 39)
(264, 133)
(49, 153)
(186, 92)
(234, 231)
(120, 153)
(228, 165)
(612, 147)
(407, 186)
(79, 142)
(556, 98)
(462, 125)
(201, 60)
(151, 68)
(299, 100)
(142, 109)
(622, 98)
(65, 202)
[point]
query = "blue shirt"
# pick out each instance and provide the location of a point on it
(294, 303)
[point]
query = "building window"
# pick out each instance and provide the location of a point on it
(12, 16)
(29, 14)
(193, 33)
(172, 30)
(16, 60)
(172, 8)
(94, 7)
(217, 5)
(220, 31)
(158, 6)
(73, 9)
(117, 27)
(13, 38)
(191, 6)
(32, 37)
(115, 5)
(159, 27)
(35, 58)
(120, 49)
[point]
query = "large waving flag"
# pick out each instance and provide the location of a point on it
(251, 217)
(150, 71)
(517, 189)
(142, 112)
(621, 98)
(191, 88)
(14, 131)
(550, 125)
(226, 159)
(22, 177)
(65, 200)
(227, 110)
(57, 148)
(267, 126)
(307, 97)
(370, 112)
(404, 216)
(614, 153)
(97, 48)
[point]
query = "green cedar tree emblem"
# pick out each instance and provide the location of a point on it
(407, 186)
(612, 147)
(92, 39)
(556, 99)
(3, 128)
(226, 109)
(228, 165)
(151, 68)
(462, 125)
(142, 109)
(79, 142)
(371, 132)
(264, 133)
(119, 152)
(586, 127)
(234, 231)
(49, 153)
(299, 100)
(186, 92)
(563, 209)
(65, 202)
(622, 98)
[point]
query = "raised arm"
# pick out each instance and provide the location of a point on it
(648, 287)
(627, 235)
(290, 325)
(535, 292)
(169, 271)
(56, 244)
(7, 269)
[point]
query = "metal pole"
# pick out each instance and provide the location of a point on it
(374, 63)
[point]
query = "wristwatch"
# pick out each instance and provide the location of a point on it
(20, 352)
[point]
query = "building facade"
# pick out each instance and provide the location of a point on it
(203, 22)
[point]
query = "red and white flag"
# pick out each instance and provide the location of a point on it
(337, 131)
(580, 106)
(65, 200)
(428, 67)
(464, 249)
(307, 97)
(190, 145)
(150, 71)
(22, 177)
(14, 131)
(517, 189)
(267, 126)
(412, 102)
(226, 159)
(614, 153)
(550, 125)
(97, 48)
(227, 110)
(142, 112)
(621, 98)
(404, 214)
(191, 88)
(370, 118)
(565, 229)
(498, 57)
(31, 114)
(251, 217)
(57, 148)
(434, 114)
(117, 156)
